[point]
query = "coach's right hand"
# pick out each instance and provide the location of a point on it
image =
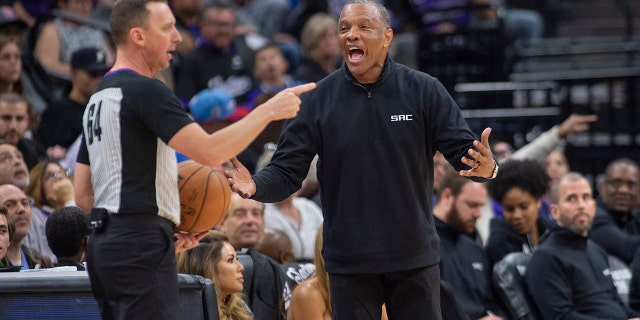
(286, 103)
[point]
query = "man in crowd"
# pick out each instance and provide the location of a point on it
(568, 275)
(464, 264)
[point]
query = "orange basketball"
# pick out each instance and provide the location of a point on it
(204, 197)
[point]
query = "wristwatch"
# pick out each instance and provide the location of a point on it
(495, 169)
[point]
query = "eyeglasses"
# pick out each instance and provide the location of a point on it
(54, 176)
(617, 184)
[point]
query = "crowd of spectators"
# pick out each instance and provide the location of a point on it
(253, 49)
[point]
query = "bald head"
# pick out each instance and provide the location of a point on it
(277, 245)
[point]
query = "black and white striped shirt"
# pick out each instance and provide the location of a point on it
(127, 124)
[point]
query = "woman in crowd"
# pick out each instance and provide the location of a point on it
(519, 189)
(60, 37)
(320, 50)
(310, 299)
(10, 66)
(50, 187)
(215, 258)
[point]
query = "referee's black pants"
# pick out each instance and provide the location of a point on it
(132, 267)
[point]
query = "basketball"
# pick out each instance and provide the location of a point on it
(204, 197)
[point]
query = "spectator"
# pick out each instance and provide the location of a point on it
(244, 225)
(320, 48)
(568, 275)
(68, 232)
(244, 222)
(221, 59)
(298, 217)
(13, 170)
(19, 254)
(10, 66)
(215, 258)
(50, 187)
(12, 26)
(464, 264)
(268, 18)
(556, 166)
(88, 65)
(270, 73)
(519, 189)
(6, 230)
(310, 299)
(276, 245)
(60, 38)
(616, 227)
(375, 126)
(187, 12)
(13, 77)
(14, 122)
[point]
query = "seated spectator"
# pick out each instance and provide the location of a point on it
(61, 37)
(616, 227)
(12, 26)
(270, 74)
(244, 225)
(244, 222)
(6, 230)
(276, 245)
(67, 232)
(10, 66)
(310, 299)
(568, 275)
(519, 189)
(14, 122)
(13, 77)
(18, 254)
(215, 258)
(463, 263)
(221, 59)
(556, 166)
(50, 187)
(320, 50)
(298, 217)
(186, 13)
(88, 66)
(13, 170)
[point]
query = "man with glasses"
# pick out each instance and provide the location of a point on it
(616, 227)
(221, 60)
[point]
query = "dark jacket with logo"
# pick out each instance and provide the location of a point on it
(569, 277)
(464, 265)
(375, 144)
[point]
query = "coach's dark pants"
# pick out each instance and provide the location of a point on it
(412, 294)
(132, 267)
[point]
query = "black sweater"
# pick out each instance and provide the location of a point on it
(375, 145)
(464, 265)
(568, 276)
